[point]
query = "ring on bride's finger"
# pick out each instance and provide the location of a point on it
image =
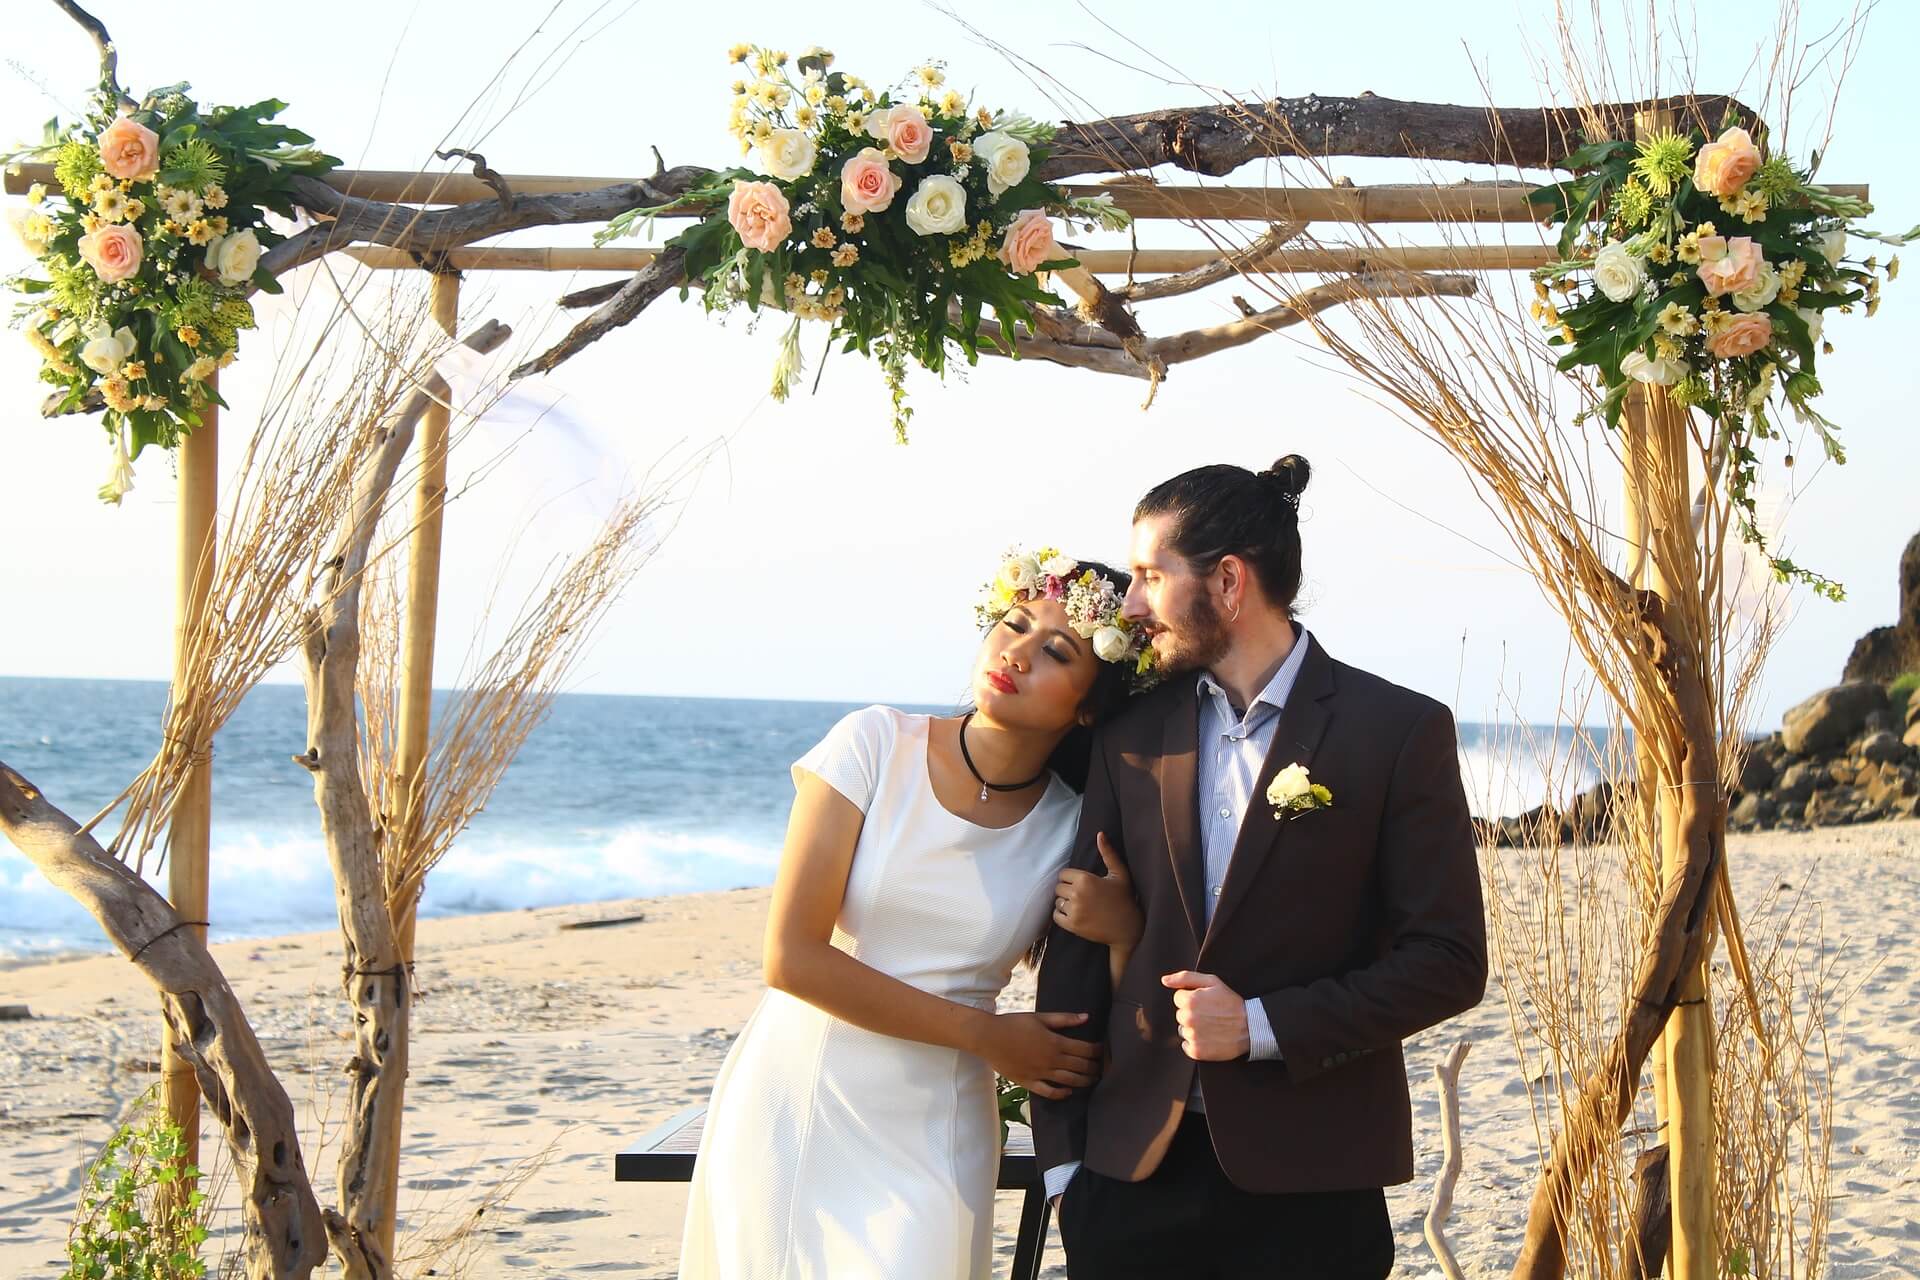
(1059, 904)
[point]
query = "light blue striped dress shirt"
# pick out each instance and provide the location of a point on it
(1232, 749)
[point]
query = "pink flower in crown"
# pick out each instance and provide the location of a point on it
(1056, 589)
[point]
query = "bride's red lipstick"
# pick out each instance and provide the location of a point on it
(1002, 681)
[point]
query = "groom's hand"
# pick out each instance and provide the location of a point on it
(1212, 1018)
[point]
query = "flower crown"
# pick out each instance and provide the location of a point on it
(1092, 603)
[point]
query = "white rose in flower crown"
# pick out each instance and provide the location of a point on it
(1766, 287)
(107, 350)
(1288, 785)
(1660, 373)
(1617, 273)
(1110, 644)
(1019, 573)
(939, 207)
(1833, 245)
(1006, 158)
(233, 257)
(787, 154)
(1058, 566)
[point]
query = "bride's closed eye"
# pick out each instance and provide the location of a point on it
(1051, 650)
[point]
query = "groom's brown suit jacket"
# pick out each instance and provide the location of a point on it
(1355, 926)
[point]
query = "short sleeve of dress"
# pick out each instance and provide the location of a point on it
(850, 757)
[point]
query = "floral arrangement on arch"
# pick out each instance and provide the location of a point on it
(1709, 268)
(899, 215)
(150, 244)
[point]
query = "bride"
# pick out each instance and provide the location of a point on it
(853, 1130)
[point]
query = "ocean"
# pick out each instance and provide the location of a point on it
(612, 797)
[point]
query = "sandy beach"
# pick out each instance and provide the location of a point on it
(541, 1051)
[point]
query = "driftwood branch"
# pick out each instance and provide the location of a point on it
(109, 55)
(663, 273)
(1644, 1253)
(1223, 268)
(1216, 140)
(374, 972)
(283, 1238)
(482, 172)
(1446, 1077)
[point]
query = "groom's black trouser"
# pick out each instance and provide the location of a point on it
(1186, 1220)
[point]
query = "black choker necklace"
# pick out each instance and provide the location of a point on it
(986, 786)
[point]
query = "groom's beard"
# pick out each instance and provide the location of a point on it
(1195, 639)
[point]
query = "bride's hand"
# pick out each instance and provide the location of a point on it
(1027, 1049)
(1099, 908)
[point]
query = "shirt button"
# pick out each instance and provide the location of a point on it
(1216, 891)
(1225, 812)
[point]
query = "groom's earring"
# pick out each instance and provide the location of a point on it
(1235, 615)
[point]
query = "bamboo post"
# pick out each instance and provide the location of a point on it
(191, 824)
(1659, 518)
(416, 666)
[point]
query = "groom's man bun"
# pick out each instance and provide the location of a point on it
(1222, 510)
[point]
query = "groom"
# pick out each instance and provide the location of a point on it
(1255, 1103)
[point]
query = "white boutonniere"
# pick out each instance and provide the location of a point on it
(1292, 793)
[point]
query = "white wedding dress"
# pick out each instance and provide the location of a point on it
(834, 1153)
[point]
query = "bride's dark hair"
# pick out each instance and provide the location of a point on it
(1112, 684)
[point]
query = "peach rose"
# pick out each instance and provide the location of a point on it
(1723, 166)
(909, 134)
(129, 150)
(758, 211)
(867, 185)
(1742, 336)
(1729, 265)
(1029, 242)
(113, 250)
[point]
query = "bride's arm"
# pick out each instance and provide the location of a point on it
(801, 960)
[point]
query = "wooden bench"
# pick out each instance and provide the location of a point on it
(666, 1155)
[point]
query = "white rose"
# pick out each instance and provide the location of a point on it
(1659, 373)
(1006, 158)
(787, 154)
(1110, 644)
(233, 257)
(1617, 273)
(939, 207)
(1815, 322)
(106, 351)
(1834, 245)
(1288, 785)
(877, 122)
(1019, 573)
(1766, 287)
(1059, 566)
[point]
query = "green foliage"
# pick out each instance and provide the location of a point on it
(75, 166)
(1900, 692)
(1013, 1100)
(142, 1215)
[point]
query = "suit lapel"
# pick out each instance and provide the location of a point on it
(1179, 806)
(1303, 721)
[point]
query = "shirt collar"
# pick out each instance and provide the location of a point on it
(1275, 693)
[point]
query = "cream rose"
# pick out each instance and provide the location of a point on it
(1656, 372)
(1724, 165)
(1058, 566)
(787, 154)
(1729, 265)
(867, 184)
(1833, 245)
(1617, 273)
(758, 211)
(938, 207)
(113, 251)
(1288, 785)
(1742, 336)
(106, 350)
(1110, 644)
(1763, 291)
(908, 133)
(129, 150)
(1029, 242)
(1006, 158)
(1019, 573)
(233, 257)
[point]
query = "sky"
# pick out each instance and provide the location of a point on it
(812, 557)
